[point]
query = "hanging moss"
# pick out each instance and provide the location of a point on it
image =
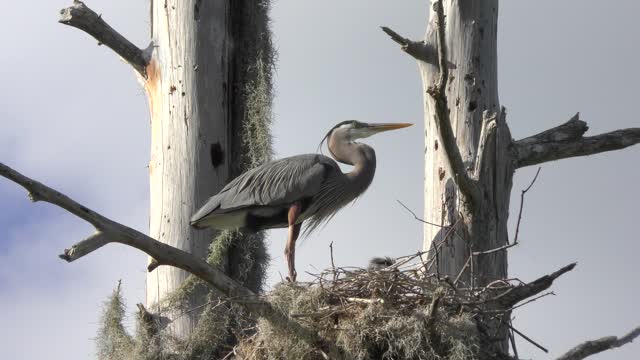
(244, 255)
(374, 331)
(113, 342)
(254, 59)
(393, 313)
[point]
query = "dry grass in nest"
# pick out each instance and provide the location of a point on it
(395, 313)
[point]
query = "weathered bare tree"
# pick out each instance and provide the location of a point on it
(470, 156)
(207, 79)
(207, 76)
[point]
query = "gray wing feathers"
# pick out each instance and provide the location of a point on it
(332, 197)
(280, 182)
(274, 183)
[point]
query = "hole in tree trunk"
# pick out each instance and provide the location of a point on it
(217, 155)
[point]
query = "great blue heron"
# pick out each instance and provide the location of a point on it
(286, 192)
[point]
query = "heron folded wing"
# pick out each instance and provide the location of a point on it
(278, 182)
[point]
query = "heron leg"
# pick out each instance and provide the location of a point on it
(290, 248)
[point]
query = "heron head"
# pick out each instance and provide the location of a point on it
(351, 130)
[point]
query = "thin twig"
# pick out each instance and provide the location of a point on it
(416, 216)
(333, 264)
(532, 300)
(515, 239)
(525, 336)
(471, 268)
(462, 270)
(512, 339)
(220, 302)
(503, 247)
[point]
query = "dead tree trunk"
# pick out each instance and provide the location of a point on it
(188, 101)
(470, 157)
(207, 78)
(472, 88)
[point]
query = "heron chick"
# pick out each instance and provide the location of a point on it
(379, 263)
(286, 192)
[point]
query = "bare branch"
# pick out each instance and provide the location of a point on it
(82, 17)
(39, 192)
(416, 216)
(417, 49)
(567, 140)
(525, 291)
(524, 336)
(464, 267)
(93, 242)
(467, 185)
(108, 231)
(591, 347)
(571, 130)
(494, 250)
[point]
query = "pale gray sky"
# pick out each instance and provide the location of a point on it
(73, 116)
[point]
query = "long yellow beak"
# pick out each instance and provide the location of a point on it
(387, 127)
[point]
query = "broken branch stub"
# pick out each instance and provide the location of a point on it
(82, 17)
(567, 140)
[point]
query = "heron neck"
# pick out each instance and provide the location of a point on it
(363, 159)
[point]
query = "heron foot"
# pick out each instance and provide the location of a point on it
(290, 256)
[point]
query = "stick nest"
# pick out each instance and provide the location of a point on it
(395, 313)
